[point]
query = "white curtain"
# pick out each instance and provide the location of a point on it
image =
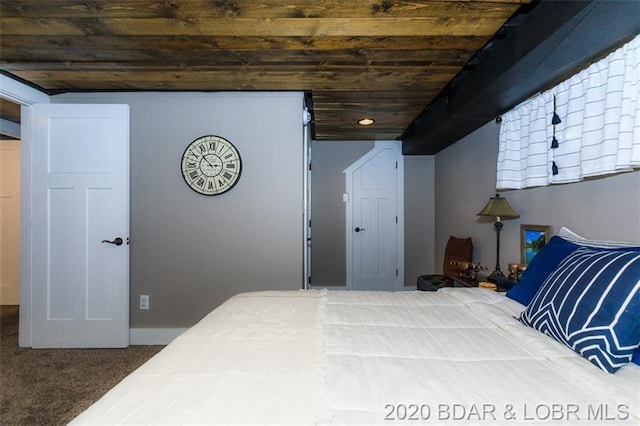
(599, 132)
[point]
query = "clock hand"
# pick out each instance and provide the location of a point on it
(208, 162)
(205, 159)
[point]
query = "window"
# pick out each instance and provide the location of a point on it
(598, 132)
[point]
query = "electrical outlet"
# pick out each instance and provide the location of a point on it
(144, 301)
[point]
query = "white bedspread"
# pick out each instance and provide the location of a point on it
(254, 359)
(459, 356)
(455, 356)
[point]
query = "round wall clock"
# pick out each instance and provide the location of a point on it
(211, 165)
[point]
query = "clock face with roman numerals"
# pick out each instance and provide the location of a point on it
(211, 165)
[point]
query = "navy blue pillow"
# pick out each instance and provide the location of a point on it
(543, 263)
(591, 303)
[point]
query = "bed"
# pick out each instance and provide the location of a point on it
(455, 356)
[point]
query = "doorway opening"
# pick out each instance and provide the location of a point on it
(330, 201)
(9, 202)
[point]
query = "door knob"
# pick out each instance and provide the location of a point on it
(358, 229)
(118, 241)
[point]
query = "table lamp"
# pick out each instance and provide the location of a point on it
(499, 208)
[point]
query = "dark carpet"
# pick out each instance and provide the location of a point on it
(53, 386)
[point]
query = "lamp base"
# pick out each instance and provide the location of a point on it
(497, 273)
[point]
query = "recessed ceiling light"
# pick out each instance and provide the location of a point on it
(366, 122)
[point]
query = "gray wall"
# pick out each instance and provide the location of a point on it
(419, 217)
(328, 258)
(190, 252)
(602, 208)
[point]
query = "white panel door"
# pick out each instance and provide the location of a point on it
(9, 222)
(374, 257)
(80, 290)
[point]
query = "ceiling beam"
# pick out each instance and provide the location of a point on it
(555, 40)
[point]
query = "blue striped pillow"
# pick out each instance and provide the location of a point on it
(591, 303)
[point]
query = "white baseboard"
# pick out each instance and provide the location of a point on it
(153, 336)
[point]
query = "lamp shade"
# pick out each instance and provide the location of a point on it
(498, 207)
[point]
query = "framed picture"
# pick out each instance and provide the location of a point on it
(532, 239)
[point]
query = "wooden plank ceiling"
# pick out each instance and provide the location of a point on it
(384, 59)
